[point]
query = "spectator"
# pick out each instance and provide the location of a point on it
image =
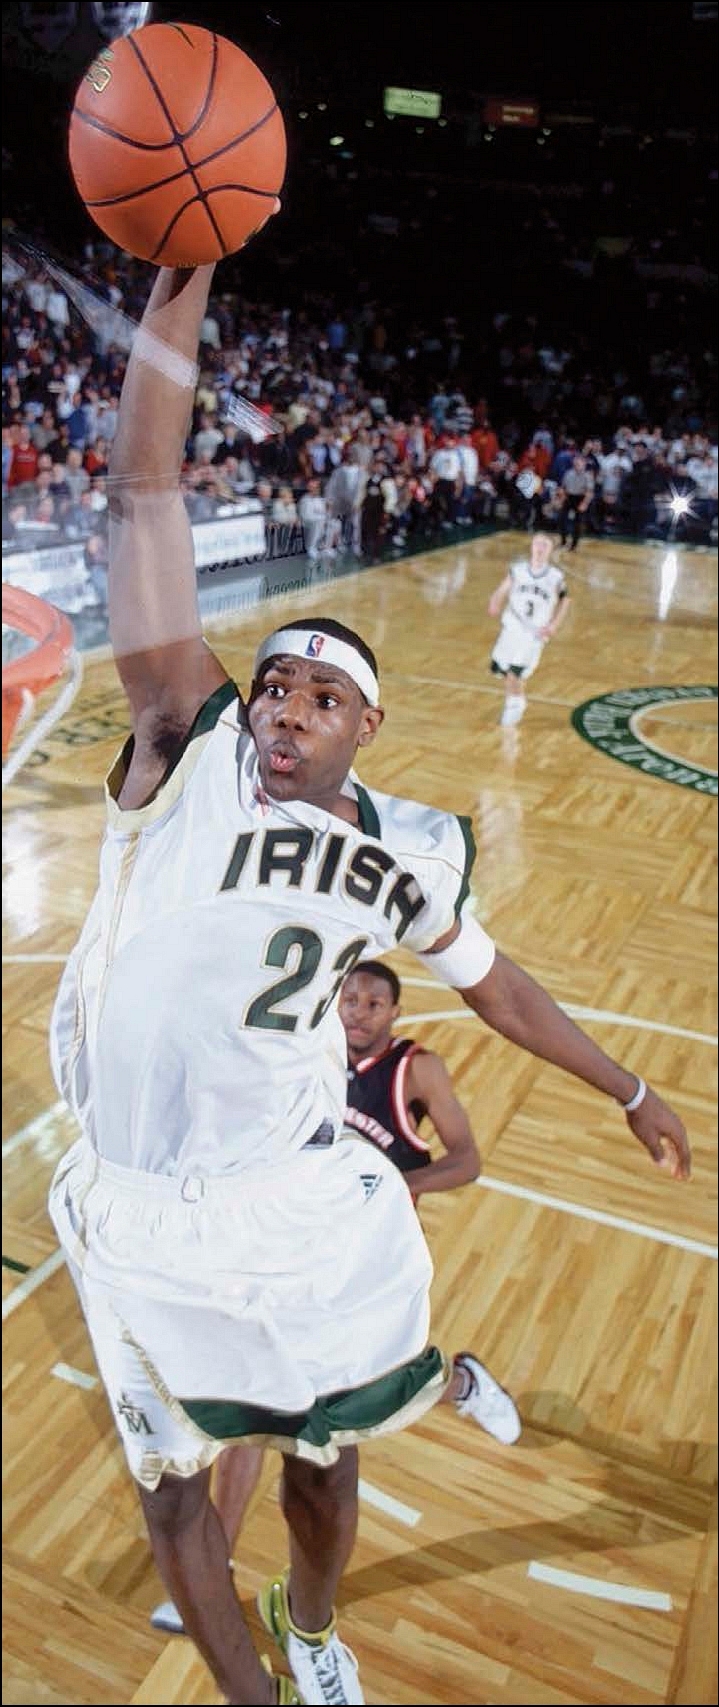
(96, 457)
(44, 430)
(24, 460)
(446, 469)
(57, 310)
(577, 489)
(76, 477)
(469, 467)
(373, 513)
(284, 508)
(312, 511)
(344, 493)
(207, 439)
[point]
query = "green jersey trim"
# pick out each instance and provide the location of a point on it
(470, 854)
(368, 820)
(337, 1418)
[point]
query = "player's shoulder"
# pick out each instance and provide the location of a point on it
(412, 826)
(154, 767)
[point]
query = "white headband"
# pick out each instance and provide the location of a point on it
(303, 643)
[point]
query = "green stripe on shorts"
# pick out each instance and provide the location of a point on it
(337, 1418)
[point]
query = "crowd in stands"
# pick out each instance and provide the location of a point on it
(368, 429)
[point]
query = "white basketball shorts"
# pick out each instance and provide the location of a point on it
(288, 1308)
(517, 648)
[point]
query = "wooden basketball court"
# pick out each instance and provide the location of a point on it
(578, 1566)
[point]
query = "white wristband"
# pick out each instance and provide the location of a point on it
(168, 361)
(638, 1098)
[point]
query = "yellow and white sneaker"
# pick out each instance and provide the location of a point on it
(324, 1670)
(287, 1695)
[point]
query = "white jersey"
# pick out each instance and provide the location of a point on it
(533, 598)
(195, 1028)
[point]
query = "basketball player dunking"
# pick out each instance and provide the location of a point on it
(221, 1236)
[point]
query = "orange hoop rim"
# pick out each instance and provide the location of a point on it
(46, 661)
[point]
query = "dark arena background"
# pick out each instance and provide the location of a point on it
(485, 311)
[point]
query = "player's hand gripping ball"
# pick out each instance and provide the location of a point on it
(177, 145)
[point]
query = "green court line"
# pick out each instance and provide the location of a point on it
(19, 1267)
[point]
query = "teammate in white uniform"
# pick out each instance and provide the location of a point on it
(223, 1244)
(533, 602)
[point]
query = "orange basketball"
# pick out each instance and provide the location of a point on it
(177, 145)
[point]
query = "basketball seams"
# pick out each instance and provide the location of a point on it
(178, 139)
(210, 90)
(161, 183)
(236, 140)
(119, 135)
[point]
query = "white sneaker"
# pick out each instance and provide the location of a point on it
(515, 706)
(324, 1670)
(487, 1403)
(327, 1674)
(166, 1617)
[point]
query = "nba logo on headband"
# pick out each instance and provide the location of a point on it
(298, 643)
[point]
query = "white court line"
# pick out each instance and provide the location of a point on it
(600, 1215)
(385, 1502)
(37, 1128)
(648, 1597)
(75, 1377)
(31, 1283)
(603, 1016)
(469, 687)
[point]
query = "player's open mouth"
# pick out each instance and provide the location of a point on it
(283, 760)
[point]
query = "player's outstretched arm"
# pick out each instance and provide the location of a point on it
(165, 667)
(509, 1001)
(429, 1082)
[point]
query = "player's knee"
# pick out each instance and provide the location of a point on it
(175, 1503)
(325, 1490)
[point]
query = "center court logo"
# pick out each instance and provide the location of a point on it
(611, 723)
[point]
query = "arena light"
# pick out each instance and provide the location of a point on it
(336, 141)
(680, 505)
(413, 103)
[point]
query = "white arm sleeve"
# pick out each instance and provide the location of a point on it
(467, 960)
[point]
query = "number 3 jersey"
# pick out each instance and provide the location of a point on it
(533, 598)
(195, 1028)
